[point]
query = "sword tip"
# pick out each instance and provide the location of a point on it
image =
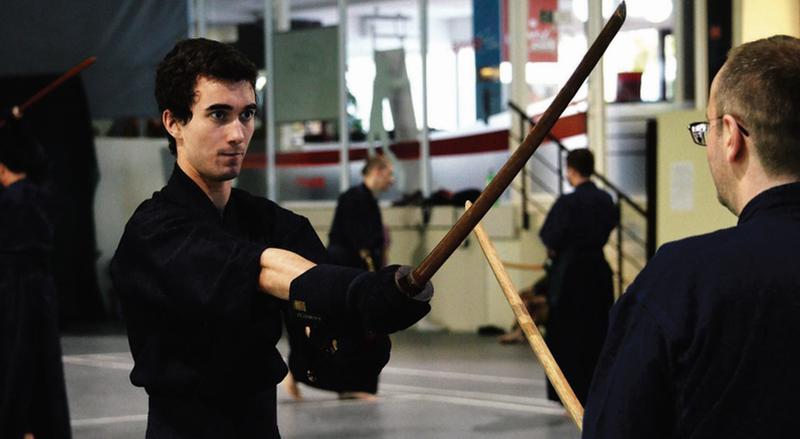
(622, 10)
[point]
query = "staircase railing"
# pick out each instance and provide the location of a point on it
(621, 232)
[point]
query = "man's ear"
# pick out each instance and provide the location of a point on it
(172, 125)
(733, 139)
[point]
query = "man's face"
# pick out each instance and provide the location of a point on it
(385, 178)
(212, 144)
(715, 153)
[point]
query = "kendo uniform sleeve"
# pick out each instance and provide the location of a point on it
(556, 225)
(632, 394)
(199, 267)
(189, 292)
(371, 300)
(338, 317)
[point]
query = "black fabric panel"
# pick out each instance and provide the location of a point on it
(129, 39)
(61, 124)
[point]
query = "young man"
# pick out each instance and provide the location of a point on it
(204, 271)
(33, 398)
(581, 289)
(704, 342)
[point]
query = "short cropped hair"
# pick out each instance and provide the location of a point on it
(760, 85)
(21, 153)
(177, 74)
(581, 160)
(375, 162)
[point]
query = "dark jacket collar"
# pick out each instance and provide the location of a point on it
(183, 191)
(779, 198)
(17, 189)
(588, 184)
(365, 190)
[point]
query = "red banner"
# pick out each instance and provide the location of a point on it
(542, 30)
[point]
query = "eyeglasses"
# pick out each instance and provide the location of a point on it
(698, 130)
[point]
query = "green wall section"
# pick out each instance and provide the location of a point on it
(687, 199)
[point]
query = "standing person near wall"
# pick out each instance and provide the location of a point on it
(357, 238)
(704, 342)
(33, 398)
(204, 271)
(581, 288)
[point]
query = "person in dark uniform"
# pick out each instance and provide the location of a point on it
(357, 236)
(357, 239)
(704, 342)
(33, 398)
(204, 271)
(581, 289)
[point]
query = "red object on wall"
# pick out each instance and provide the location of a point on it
(542, 30)
(629, 86)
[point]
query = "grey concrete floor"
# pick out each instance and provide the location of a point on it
(437, 385)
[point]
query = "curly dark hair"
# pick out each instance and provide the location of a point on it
(177, 73)
(21, 152)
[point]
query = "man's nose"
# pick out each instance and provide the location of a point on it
(236, 132)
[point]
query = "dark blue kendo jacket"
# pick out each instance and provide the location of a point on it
(706, 341)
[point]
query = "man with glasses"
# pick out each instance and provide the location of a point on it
(704, 342)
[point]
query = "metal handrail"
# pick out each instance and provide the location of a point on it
(622, 197)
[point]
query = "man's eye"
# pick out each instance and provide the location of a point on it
(248, 114)
(218, 115)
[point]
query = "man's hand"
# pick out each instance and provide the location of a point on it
(278, 269)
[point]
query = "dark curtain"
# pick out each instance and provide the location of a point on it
(62, 124)
(128, 38)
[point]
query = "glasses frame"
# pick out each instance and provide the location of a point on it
(698, 130)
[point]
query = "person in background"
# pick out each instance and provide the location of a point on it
(33, 397)
(357, 237)
(581, 288)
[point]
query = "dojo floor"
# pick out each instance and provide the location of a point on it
(437, 385)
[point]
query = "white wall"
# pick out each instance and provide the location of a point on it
(130, 171)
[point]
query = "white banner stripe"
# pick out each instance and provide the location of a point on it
(107, 420)
(462, 376)
(543, 402)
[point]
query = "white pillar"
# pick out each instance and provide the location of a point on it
(202, 18)
(596, 123)
(190, 19)
(283, 18)
(424, 141)
(344, 130)
(517, 14)
(700, 55)
(680, 50)
(269, 102)
(518, 56)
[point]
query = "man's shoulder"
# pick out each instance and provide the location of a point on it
(355, 192)
(678, 260)
(261, 206)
